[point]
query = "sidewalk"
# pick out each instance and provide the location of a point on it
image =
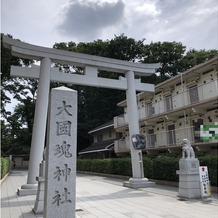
(106, 197)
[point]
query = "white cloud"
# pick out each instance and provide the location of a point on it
(30, 21)
(87, 19)
(139, 18)
(194, 23)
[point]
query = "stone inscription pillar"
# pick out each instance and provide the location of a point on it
(60, 177)
(39, 127)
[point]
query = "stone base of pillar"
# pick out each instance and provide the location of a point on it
(27, 189)
(39, 203)
(138, 183)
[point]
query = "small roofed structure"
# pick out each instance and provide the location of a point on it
(103, 142)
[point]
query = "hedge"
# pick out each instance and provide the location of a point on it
(108, 166)
(159, 168)
(164, 168)
(5, 166)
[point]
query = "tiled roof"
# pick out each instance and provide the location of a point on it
(98, 146)
(103, 126)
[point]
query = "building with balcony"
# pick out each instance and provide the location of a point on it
(176, 110)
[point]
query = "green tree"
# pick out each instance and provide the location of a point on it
(99, 105)
(168, 54)
(124, 48)
(194, 57)
(6, 61)
(15, 138)
(16, 128)
(14, 86)
(95, 105)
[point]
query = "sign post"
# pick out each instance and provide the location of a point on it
(204, 182)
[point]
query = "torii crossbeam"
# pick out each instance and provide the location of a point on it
(91, 64)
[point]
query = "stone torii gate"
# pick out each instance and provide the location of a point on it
(91, 64)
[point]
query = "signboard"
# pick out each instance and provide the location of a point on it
(60, 182)
(204, 182)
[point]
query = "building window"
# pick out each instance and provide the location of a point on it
(99, 138)
(169, 103)
(193, 93)
(150, 109)
(151, 138)
(171, 135)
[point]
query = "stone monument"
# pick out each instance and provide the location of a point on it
(39, 203)
(60, 176)
(189, 180)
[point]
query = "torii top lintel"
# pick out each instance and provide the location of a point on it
(28, 51)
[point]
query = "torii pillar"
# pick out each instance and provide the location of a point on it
(138, 180)
(92, 64)
(39, 128)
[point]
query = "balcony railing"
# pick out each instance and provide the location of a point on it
(170, 138)
(186, 98)
(197, 94)
(160, 139)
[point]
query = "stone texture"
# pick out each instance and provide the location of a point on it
(61, 154)
(189, 193)
(189, 185)
(185, 178)
(189, 181)
(27, 189)
(189, 164)
(39, 203)
(138, 183)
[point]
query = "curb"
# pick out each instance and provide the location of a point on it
(4, 178)
(105, 174)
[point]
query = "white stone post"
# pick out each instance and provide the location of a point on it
(138, 180)
(60, 175)
(133, 119)
(39, 129)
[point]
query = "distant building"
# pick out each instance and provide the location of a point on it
(103, 145)
(176, 110)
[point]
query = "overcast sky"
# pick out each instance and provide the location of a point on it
(194, 23)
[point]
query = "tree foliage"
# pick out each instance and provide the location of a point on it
(194, 57)
(95, 105)
(168, 54)
(16, 126)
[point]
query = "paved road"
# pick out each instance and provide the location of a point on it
(106, 197)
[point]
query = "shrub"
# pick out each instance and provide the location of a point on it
(121, 166)
(5, 166)
(164, 168)
(84, 165)
(159, 168)
(108, 166)
(148, 167)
